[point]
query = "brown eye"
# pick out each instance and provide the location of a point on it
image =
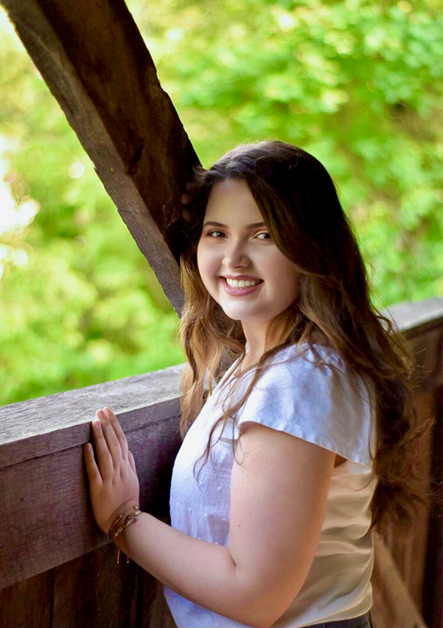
(215, 234)
(263, 235)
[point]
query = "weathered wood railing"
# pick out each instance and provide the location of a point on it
(58, 571)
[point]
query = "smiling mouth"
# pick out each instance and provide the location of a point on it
(242, 283)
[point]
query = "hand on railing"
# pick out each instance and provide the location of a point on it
(113, 482)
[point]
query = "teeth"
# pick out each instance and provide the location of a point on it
(241, 283)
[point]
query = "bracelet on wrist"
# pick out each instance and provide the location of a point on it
(122, 522)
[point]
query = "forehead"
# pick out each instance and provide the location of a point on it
(231, 200)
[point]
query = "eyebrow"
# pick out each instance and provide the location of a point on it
(253, 225)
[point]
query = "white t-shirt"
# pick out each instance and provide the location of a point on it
(319, 404)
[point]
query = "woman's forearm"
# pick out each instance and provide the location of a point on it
(202, 572)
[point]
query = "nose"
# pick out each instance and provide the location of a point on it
(236, 255)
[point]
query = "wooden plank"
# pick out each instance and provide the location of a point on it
(409, 554)
(418, 557)
(433, 585)
(43, 497)
(154, 610)
(104, 79)
(46, 517)
(393, 606)
(34, 428)
(416, 317)
(27, 604)
(105, 593)
(427, 349)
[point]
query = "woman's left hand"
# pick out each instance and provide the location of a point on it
(113, 482)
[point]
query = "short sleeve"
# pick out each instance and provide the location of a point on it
(320, 403)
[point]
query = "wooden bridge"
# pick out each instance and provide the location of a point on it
(57, 570)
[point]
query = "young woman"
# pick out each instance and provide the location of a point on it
(302, 443)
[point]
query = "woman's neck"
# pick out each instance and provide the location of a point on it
(255, 344)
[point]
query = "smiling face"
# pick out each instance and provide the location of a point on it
(240, 265)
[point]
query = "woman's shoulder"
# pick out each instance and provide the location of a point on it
(315, 376)
(310, 391)
(307, 360)
(291, 362)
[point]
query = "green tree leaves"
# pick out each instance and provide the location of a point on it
(356, 82)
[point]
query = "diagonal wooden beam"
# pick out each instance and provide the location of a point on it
(94, 60)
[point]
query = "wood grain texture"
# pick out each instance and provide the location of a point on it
(46, 513)
(417, 558)
(393, 605)
(416, 317)
(92, 592)
(410, 554)
(27, 604)
(30, 429)
(97, 66)
(432, 591)
(154, 612)
(106, 594)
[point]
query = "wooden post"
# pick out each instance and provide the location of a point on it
(94, 60)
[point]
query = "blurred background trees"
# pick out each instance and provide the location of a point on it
(355, 82)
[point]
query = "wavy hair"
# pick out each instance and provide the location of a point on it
(300, 206)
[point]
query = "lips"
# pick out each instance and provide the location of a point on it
(242, 283)
(241, 286)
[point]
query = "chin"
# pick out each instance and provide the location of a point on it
(237, 314)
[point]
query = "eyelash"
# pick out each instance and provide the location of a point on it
(266, 233)
(214, 231)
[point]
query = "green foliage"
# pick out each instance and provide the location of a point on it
(86, 308)
(356, 82)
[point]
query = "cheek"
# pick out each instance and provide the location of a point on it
(207, 258)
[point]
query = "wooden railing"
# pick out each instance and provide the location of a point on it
(57, 570)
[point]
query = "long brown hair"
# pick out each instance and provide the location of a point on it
(300, 206)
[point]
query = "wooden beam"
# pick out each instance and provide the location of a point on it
(94, 60)
(416, 317)
(47, 425)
